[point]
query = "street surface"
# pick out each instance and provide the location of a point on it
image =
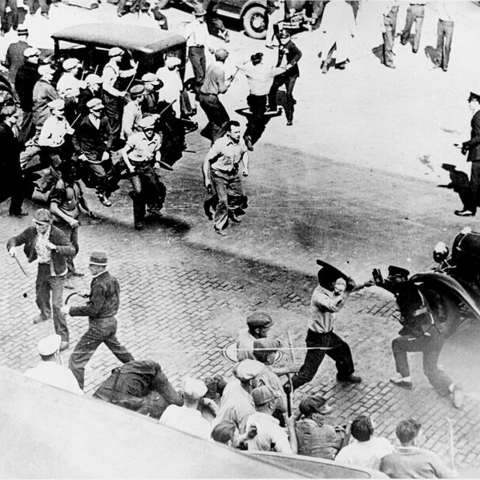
(353, 182)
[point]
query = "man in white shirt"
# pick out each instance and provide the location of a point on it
(260, 80)
(172, 83)
(198, 39)
(69, 85)
(50, 370)
(188, 418)
(237, 403)
(368, 450)
(269, 437)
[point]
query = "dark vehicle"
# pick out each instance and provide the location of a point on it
(90, 44)
(452, 289)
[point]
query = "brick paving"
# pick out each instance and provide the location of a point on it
(183, 317)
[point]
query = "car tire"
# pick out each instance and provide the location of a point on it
(445, 310)
(254, 22)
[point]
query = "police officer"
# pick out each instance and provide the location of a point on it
(420, 333)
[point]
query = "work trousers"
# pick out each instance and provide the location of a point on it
(147, 190)
(431, 346)
(45, 284)
(256, 121)
(72, 234)
(216, 114)
(319, 345)
(471, 196)
(104, 176)
(415, 14)
(390, 22)
(289, 82)
(100, 330)
(16, 191)
(14, 13)
(44, 5)
(196, 55)
(114, 113)
(230, 199)
(444, 42)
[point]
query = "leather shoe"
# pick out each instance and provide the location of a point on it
(234, 218)
(399, 382)
(18, 214)
(105, 201)
(457, 395)
(349, 379)
(139, 225)
(464, 213)
(63, 345)
(220, 232)
(40, 319)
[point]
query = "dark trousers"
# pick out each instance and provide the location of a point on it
(430, 346)
(389, 37)
(289, 82)
(114, 113)
(104, 176)
(471, 197)
(216, 114)
(256, 121)
(230, 199)
(17, 189)
(322, 344)
(44, 285)
(14, 13)
(34, 4)
(196, 55)
(444, 42)
(147, 190)
(100, 330)
(415, 14)
(72, 234)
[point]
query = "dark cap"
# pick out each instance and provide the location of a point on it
(313, 404)
(262, 395)
(474, 97)
(398, 272)
(328, 274)
(259, 320)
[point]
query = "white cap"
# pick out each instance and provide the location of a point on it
(194, 389)
(248, 369)
(49, 345)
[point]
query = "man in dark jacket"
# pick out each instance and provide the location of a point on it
(140, 386)
(101, 308)
(27, 77)
(472, 148)
(14, 58)
(288, 57)
(51, 247)
(11, 184)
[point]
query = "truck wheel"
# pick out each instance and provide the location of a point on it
(254, 22)
(445, 309)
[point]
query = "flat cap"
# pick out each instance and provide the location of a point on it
(115, 52)
(45, 70)
(398, 272)
(171, 62)
(150, 78)
(262, 395)
(259, 319)
(248, 369)
(42, 216)
(93, 79)
(57, 104)
(95, 104)
(49, 345)
(314, 404)
(70, 64)
(31, 52)
(194, 389)
(137, 90)
(98, 257)
(147, 122)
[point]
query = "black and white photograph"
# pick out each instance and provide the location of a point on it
(240, 239)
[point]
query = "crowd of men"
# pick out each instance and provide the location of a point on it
(90, 132)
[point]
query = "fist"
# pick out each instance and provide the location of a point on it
(51, 246)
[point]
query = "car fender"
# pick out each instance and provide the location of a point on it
(445, 282)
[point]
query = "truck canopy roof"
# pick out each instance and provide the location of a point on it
(129, 37)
